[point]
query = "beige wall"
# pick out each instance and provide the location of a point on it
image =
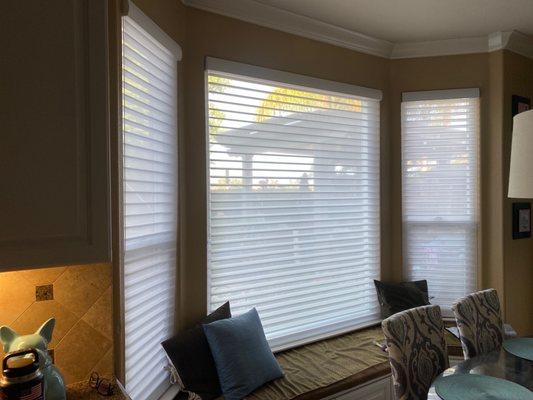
(492, 201)
(204, 34)
(518, 254)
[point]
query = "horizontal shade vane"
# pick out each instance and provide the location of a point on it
(293, 206)
(149, 88)
(440, 146)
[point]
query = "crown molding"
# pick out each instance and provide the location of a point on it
(498, 40)
(275, 18)
(440, 48)
(513, 41)
(520, 44)
(286, 21)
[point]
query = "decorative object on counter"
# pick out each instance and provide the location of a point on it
(12, 341)
(83, 391)
(104, 386)
(521, 220)
(21, 376)
(520, 104)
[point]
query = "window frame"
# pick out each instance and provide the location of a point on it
(435, 95)
(259, 74)
(130, 10)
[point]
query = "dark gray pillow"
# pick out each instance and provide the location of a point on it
(396, 297)
(190, 354)
(242, 355)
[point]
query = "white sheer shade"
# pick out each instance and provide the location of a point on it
(440, 170)
(293, 206)
(521, 173)
(149, 129)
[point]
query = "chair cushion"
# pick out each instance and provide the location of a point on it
(417, 350)
(242, 355)
(479, 322)
(396, 297)
(191, 356)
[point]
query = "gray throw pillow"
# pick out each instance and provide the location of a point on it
(396, 297)
(191, 356)
(242, 355)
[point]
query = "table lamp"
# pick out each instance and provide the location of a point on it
(521, 171)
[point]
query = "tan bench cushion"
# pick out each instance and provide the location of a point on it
(323, 368)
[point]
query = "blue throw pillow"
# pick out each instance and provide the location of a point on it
(242, 355)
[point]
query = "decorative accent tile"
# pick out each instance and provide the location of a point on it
(79, 351)
(31, 319)
(99, 316)
(44, 292)
(80, 286)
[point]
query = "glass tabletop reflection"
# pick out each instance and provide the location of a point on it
(499, 364)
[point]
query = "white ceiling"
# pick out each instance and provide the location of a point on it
(401, 21)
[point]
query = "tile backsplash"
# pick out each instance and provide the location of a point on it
(80, 298)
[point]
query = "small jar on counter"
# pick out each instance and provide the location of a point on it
(21, 377)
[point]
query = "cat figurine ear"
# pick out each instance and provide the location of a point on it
(47, 329)
(7, 335)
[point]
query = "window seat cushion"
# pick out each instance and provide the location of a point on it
(330, 366)
(327, 367)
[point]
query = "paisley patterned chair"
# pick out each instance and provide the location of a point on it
(479, 322)
(417, 350)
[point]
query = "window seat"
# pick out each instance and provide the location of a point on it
(323, 368)
(331, 366)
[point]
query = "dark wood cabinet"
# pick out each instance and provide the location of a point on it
(54, 133)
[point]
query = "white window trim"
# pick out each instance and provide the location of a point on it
(470, 93)
(153, 29)
(290, 79)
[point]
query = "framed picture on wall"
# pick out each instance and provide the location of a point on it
(521, 220)
(520, 104)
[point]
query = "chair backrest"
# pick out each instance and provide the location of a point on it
(417, 350)
(479, 322)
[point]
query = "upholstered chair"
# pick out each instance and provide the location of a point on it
(479, 322)
(417, 350)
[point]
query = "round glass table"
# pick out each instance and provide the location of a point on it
(499, 364)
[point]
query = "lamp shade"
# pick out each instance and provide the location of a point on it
(521, 171)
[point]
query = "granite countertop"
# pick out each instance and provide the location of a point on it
(82, 391)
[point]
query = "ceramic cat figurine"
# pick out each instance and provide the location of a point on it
(54, 386)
